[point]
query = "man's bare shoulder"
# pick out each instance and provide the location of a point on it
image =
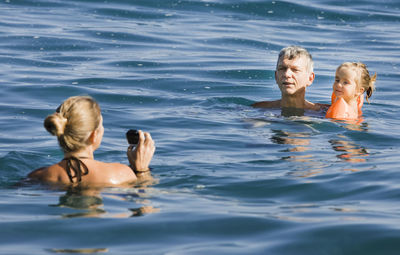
(323, 106)
(317, 106)
(267, 104)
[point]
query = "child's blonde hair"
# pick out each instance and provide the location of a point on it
(73, 122)
(364, 79)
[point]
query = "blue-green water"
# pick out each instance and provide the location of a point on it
(231, 179)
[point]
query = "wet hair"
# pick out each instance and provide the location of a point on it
(364, 80)
(292, 52)
(73, 122)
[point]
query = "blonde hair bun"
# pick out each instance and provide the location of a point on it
(73, 122)
(55, 124)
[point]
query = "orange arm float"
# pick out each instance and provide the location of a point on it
(340, 109)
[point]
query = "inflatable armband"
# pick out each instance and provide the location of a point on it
(340, 109)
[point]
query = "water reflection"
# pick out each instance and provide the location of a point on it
(349, 151)
(299, 140)
(354, 125)
(89, 202)
(82, 251)
(300, 151)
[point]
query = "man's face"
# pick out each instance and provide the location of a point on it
(292, 76)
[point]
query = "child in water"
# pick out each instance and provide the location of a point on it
(352, 79)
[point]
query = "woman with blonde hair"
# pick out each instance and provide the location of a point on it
(78, 125)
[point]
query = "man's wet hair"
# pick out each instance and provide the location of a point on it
(292, 52)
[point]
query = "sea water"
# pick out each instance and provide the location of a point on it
(230, 179)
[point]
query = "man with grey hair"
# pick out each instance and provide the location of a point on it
(293, 74)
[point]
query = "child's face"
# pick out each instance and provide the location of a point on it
(345, 84)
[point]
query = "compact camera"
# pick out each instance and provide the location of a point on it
(132, 136)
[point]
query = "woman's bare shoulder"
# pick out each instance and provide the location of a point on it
(114, 173)
(113, 167)
(100, 173)
(47, 173)
(38, 173)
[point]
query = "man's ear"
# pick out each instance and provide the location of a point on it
(311, 78)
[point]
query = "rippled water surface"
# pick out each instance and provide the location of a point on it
(231, 179)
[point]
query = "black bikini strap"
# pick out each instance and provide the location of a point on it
(76, 166)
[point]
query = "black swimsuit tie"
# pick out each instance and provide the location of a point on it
(76, 168)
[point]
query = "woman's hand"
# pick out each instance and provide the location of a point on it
(140, 157)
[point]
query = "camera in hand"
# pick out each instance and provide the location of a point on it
(132, 136)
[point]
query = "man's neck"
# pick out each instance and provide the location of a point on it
(293, 101)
